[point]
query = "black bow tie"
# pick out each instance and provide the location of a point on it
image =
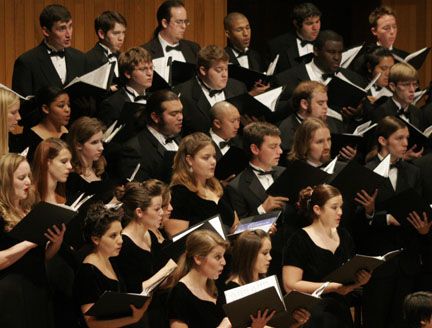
(213, 93)
(223, 144)
(169, 140)
(262, 172)
(59, 53)
(377, 87)
(305, 42)
(325, 76)
(140, 97)
(112, 56)
(242, 53)
(397, 165)
(404, 112)
(169, 48)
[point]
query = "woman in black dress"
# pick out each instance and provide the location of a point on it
(54, 112)
(192, 301)
(102, 229)
(138, 259)
(85, 139)
(318, 249)
(9, 116)
(250, 262)
(196, 193)
(24, 294)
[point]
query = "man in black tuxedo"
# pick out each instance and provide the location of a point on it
(154, 147)
(110, 27)
(328, 48)
(225, 120)
(403, 83)
(238, 32)
(136, 69)
(210, 85)
(297, 48)
(383, 25)
(53, 62)
(167, 41)
(247, 192)
(309, 100)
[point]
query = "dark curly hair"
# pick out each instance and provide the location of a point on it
(98, 221)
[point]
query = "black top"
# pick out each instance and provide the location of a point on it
(90, 284)
(76, 185)
(136, 264)
(315, 261)
(31, 139)
(188, 206)
(31, 265)
(196, 313)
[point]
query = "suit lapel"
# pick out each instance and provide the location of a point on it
(254, 185)
(47, 67)
(187, 52)
(156, 48)
(151, 138)
(200, 98)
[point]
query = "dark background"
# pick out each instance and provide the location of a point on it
(269, 18)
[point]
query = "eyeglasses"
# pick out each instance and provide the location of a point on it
(180, 22)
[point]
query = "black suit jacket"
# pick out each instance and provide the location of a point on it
(144, 148)
(196, 107)
(112, 106)
(95, 57)
(188, 48)
(380, 238)
(286, 46)
(246, 193)
(390, 108)
(254, 59)
(34, 70)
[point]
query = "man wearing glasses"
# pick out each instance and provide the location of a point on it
(167, 44)
(403, 82)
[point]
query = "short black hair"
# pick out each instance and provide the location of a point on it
(106, 21)
(303, 11)
(164, 12)
(54, 13)
(326, 35)
(154, 103)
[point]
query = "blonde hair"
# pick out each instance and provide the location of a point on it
(182, 175)
(7, 100)
(8, 165)
(198, 243)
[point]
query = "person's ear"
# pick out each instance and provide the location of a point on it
(227, 34)
(369, 68)
(374, 31)
(317, 210)
(382, 141)
(155, 117)
(95, 240)
(79, 146)
(217, 123)
(45, 109)
(254, 149)
(188, 159)
(202, 70)
(128, 75)
(165, 23)
(138, 212)
(304, 104)
(101, 34)
(198, 260)
(392, 87)
(46, 32)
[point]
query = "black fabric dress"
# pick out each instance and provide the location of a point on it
(31, 139)
(317, 263)
(136, 264)
(90, 284)
(24, 295)
(188, 206)
(196, 313)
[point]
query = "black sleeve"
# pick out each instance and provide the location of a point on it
(86, 286)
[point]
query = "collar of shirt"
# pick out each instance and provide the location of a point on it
(314, 164)
(243, 60)
(379, 44)
(132, 94)
(206, 89)
(58, 62)
(405, 110)
(111, 59)
(217, 140)
(161, 138)
(266, 180)
(315, 73)
(303, 50)
(165, 43)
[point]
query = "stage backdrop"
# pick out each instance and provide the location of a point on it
(20, 31)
